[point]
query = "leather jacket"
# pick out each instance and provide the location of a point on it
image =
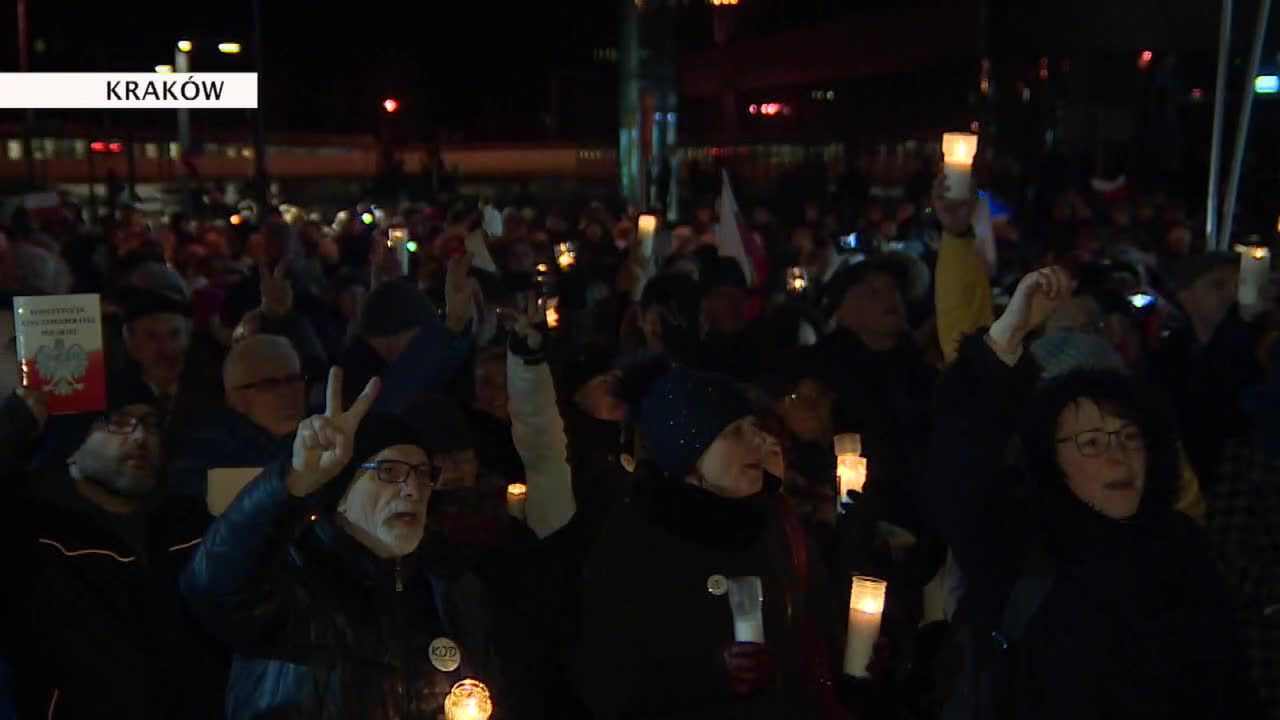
(320, 626)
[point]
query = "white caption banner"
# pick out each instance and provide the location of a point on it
(128, 91)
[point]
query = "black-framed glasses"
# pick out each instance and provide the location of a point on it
(397, 472)
(125, 424)
(1095, 443)
(273, 384)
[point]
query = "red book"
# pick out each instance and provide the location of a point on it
(60, 351)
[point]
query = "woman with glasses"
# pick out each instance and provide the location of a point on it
(310, 578)
(1087, 594)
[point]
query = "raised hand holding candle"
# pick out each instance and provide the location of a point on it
(958, 150)
(851, 467)
(516, 494)
(468, 700)
(646, 225)
(1255, 270)
(866, 606)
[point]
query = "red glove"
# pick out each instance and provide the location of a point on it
(750, 667)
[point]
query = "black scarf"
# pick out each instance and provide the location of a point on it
(702, 517)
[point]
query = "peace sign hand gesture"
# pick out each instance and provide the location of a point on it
(323, 443)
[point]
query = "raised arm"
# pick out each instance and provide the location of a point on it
(537, 431)
(240, 583)
(979, 403)
(439, 349)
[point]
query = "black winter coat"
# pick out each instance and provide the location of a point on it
(321, 627)
(102, 631)
(652, 634)
(1134, 623)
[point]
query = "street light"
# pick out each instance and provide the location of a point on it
(391, 105)
(164, 69)
(229, 48)
(184, 46)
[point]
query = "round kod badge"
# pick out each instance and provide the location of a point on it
(717, 584)
(445, 654)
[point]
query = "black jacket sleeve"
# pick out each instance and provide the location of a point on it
(966, 491)
(241, 583)
(18, 430)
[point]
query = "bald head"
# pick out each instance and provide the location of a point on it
(263, 379)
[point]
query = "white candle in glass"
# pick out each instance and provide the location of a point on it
(468, 700)
(851, 467)
(516, 494)
(646, 225)
(958, 150)
(866, 606)
(746, 600)
(1255, 271)
(797, 280)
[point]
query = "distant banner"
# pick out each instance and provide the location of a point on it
(128, 91)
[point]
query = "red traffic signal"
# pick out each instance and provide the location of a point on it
(391, 105)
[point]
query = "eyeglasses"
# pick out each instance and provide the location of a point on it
(1095, 443)
(273, 384)
(397, 472)
(125, 424)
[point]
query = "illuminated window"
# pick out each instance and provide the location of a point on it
(212, 149)
(175, 150)
(232, 152)
(151, 151)
(246, 153)
(80, 148)
(13, 149)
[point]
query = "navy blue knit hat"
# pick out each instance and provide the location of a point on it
(682, 411)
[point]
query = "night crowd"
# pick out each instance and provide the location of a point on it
(349, 461)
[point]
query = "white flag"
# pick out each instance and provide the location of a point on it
(729, 234)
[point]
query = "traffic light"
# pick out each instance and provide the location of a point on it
(391, 105)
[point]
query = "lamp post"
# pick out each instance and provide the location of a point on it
(24, 65)
(182, 64)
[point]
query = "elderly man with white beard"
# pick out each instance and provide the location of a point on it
(310, 577)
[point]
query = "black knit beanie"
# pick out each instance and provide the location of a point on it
(584, 363)
(393, 308)
(377, 433)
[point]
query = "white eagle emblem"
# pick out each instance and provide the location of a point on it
(61, 366)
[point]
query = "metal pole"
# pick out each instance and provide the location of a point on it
(629, 125)
(182, 64)
(24, 65)
(132, 165)
(259, 127)
(1242, 127)
(1215, 146)
(93, 193)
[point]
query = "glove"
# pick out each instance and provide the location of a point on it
(750, 667)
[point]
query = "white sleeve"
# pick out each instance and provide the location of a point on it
(537, 431)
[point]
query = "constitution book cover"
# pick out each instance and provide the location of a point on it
(60, 351)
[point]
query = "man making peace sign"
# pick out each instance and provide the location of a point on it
(309, 576)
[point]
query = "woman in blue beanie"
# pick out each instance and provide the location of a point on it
(657, 636)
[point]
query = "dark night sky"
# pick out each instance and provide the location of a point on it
(469, 64)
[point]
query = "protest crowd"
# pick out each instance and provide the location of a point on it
(347, 462)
